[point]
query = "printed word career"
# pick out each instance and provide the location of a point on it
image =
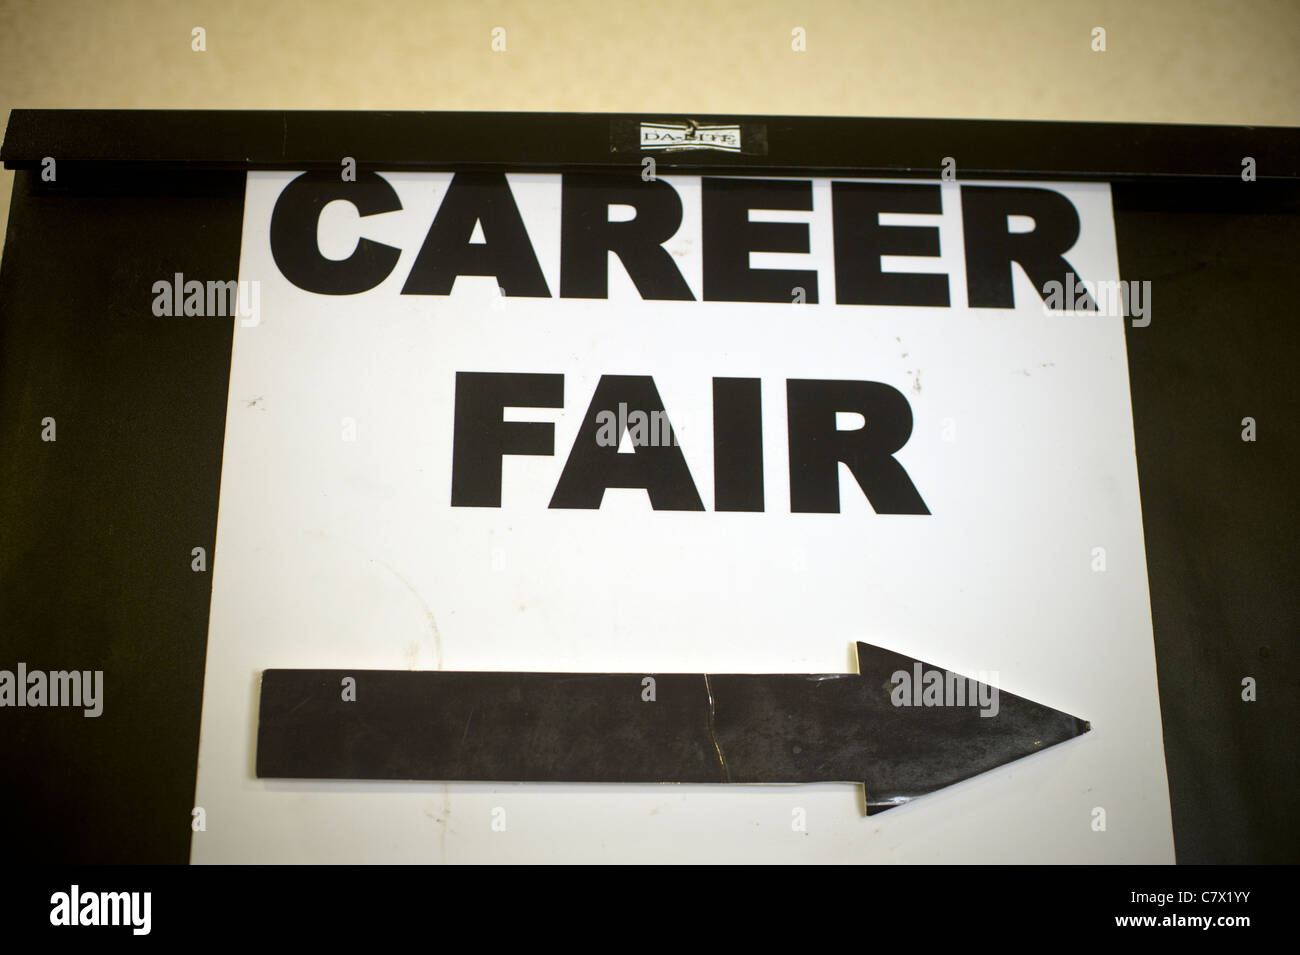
(482, 437)
(482, 202)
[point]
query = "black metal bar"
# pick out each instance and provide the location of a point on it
(128, 488)
(299, 139)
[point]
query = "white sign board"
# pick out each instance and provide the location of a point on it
(359, 525)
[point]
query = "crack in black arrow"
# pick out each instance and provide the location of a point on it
(599, 727)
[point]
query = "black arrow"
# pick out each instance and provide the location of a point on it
(698, 728)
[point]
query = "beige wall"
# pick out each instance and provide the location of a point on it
(1166, 61)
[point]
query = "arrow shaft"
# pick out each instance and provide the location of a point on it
(559, 727)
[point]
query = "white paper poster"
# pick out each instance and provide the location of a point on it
(360, 528)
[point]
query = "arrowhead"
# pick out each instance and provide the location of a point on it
(913, 749)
